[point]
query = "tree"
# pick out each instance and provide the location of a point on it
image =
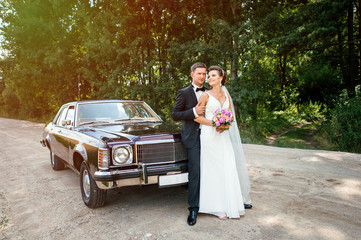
(39, 39)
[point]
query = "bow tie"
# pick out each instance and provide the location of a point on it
(201, 89)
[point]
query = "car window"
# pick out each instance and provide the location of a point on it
(114, 111)
(66, 114)
(142, 112)
(70, 115)
(62, 116)
(58, 115)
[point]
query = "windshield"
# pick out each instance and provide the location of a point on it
(108, 112)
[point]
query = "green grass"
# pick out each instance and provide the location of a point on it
(3, 222)
(306, 137)
(256, 131)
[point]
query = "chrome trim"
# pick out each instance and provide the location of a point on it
(126, 182)
(85, 102)
(154, 142)
(158, 163)
(144, 172)
(144, 143)
(130, 150)
(143, 175)
(151, 110)
(79, 148)
(135, 154)
(86, 183)
(114, 172)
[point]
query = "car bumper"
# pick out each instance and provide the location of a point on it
(176, 175)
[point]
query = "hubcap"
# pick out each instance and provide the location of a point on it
(86, 183)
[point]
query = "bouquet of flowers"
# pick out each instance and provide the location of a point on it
(222, 117)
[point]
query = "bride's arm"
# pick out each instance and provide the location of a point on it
(202, 102)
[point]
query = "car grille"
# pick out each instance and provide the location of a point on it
(160, 152)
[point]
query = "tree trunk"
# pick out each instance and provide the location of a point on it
(234, 60)
(351, 69)
(142, 57)
(340, 50)
(79, 85)
(359, 38)
(282, 70)
(149, 70)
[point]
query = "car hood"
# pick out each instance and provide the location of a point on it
(130, 131)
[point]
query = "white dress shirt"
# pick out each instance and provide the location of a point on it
(198, 95)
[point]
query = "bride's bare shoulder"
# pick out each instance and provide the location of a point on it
(205, 93)
(203, 99)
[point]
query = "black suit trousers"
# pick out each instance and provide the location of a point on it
(194, 175)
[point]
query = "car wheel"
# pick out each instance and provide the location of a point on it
(56, 163)
(92, 195)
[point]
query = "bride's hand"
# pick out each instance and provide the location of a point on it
(221, 128)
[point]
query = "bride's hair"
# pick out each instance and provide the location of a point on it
(221, 73)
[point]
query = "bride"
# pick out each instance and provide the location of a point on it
(224, 183)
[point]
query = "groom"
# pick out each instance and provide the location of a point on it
(186, 109)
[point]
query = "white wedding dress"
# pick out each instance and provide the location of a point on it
(220, 188)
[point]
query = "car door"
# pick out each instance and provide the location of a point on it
(62, 132)
(69, 134)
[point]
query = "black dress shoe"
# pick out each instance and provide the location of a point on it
(192, 218)
(247, 206)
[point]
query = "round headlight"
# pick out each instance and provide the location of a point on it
(121, 155)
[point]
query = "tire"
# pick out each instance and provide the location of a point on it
(92, 196)
(56, 163)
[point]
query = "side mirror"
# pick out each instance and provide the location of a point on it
(65, 122)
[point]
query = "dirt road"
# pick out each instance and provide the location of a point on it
(297, 194)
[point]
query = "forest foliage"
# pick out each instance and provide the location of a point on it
(287, 61)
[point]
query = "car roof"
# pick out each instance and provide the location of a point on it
(101, 101)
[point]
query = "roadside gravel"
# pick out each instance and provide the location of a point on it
(297, 194)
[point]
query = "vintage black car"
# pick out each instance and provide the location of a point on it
(114, 143)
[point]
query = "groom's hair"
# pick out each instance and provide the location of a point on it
(198, 65)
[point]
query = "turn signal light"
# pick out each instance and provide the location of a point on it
(103, 158)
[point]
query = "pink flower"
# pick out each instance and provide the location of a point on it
(222, 117)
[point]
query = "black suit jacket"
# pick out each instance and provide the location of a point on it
(183, 111)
